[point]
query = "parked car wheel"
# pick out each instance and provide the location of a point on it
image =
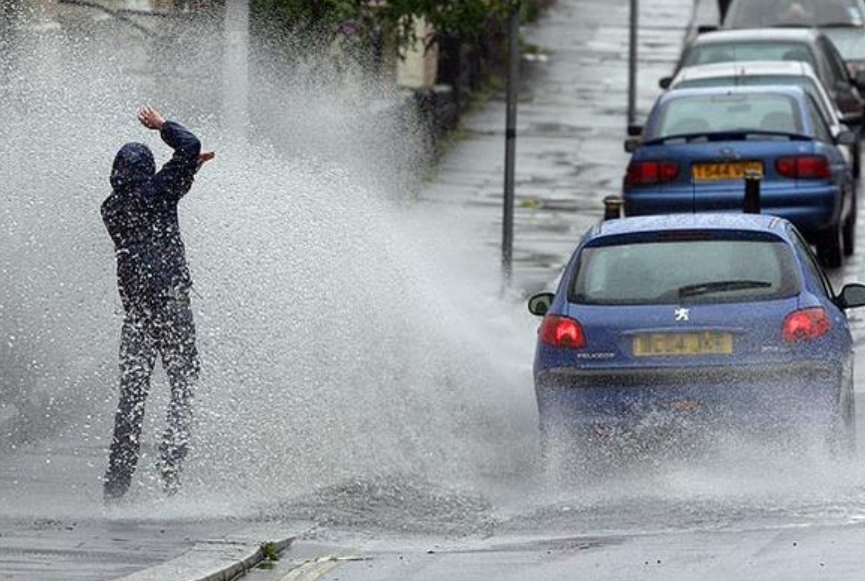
(830, 247)
(565, 455)
(849, 233)
(842, 435)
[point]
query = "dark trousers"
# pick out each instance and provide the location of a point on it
(165, 329)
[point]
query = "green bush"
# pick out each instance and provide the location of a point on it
(466, 20)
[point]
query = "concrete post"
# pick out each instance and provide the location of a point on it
(236, 71)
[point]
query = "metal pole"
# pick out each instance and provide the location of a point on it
(511, 141)
(632, 63)
(9, 14)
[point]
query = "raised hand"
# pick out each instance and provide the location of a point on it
(151, 118)
(204, 157)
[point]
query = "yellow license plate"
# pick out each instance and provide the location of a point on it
(736, 170)
(708, 343)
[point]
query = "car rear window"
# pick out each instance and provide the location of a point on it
(749, 14)
(703, 54)
(727, 112)
(685, 271)
(806, 83)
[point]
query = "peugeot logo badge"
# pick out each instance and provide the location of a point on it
(683, 314)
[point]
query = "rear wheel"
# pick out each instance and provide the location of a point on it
(850, 231)
(842, 431)
(565, 455)
(830, 247)
(842, 439)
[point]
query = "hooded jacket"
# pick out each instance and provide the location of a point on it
(141, 218)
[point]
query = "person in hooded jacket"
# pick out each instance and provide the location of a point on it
(154, 283)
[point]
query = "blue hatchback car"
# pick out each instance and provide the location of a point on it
(718, 318)
(699, 144)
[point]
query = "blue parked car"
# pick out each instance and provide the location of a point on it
(717, 319)
(698, 144)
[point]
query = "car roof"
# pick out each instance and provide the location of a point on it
(690, 222)
(804, 35)
(745, 68)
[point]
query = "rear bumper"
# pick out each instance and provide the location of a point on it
(812, 208)
(805, 391)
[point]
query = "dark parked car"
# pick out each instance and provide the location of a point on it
(784, 44)
(843, 21)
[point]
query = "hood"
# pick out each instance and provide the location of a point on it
(133, 165)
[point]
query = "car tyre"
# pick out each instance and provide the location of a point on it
(842, 440)
(565, 455)
(830, 247)
(850, 230)
(842, 431)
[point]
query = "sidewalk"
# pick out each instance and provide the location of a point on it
(572, 121)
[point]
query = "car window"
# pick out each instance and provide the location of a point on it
(725, 52)
(727, 112)
(809, 262)
(835, 61)
(750, 14)
(806, 83)
(674, 271)
(821, 130)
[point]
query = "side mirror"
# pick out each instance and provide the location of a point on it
(635, 130)
(631, 144)
(703, 28)
(852, 296)
(665, 82)
(850, 119)
(848, 138)
(541, 303)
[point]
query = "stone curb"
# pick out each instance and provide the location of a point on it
(215, 560)
(232, 571)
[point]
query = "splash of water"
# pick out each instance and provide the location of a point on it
(343, 335)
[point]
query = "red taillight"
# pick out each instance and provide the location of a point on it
(806, 325)
(647, 173)
(562, 332)
(804, 167)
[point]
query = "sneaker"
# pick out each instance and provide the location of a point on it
(169, 475)
(114, 489)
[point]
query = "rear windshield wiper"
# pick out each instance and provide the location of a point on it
(719, 286)
(728, 135)
(839, 25)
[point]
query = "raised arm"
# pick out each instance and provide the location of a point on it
(176, 176)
